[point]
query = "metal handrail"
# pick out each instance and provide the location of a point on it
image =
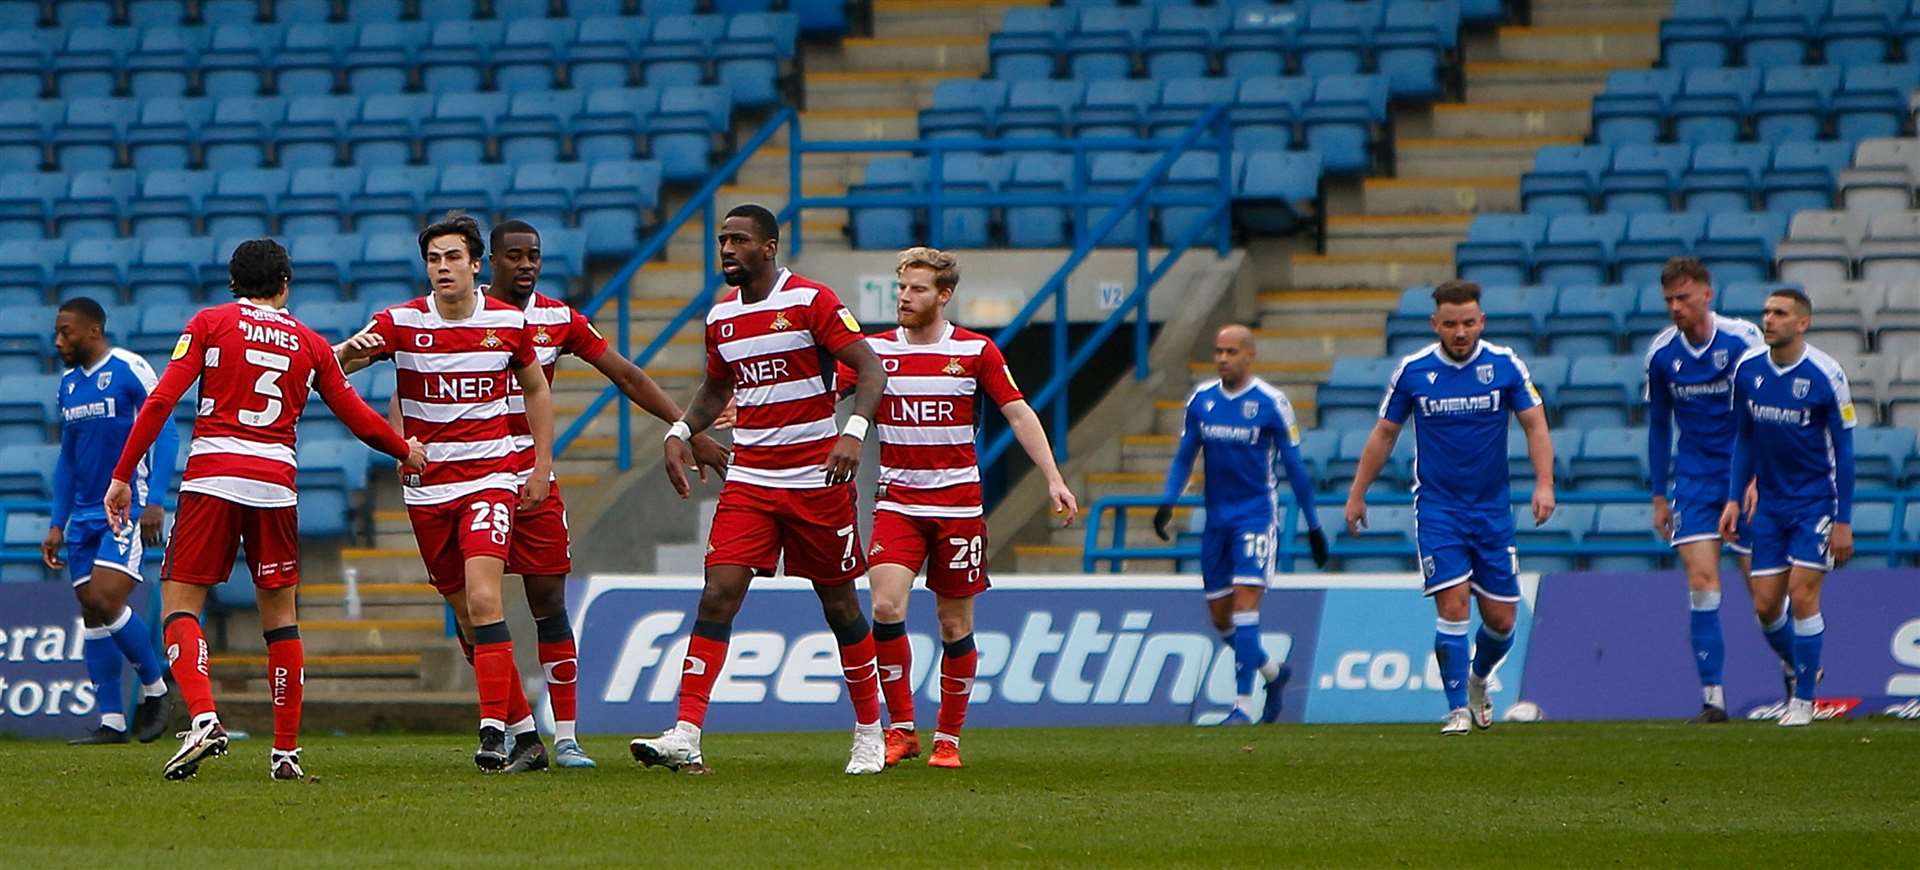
(1290, 547)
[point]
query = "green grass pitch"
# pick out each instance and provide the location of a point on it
(1745, 794)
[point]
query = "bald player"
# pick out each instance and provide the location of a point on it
(1249, 432)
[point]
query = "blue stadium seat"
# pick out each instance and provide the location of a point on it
(617, 204)
(1114, 173)
(90, 136)
(1027, 42)
(168, 271)
(1701, 33)
(386, 131)
(963, 108)
(1873, 525)
(21, 14)
(603, 58)
(1103, 45)
(1881, 454)
(1611, 457)
(1564, 179)
(393, 200)
(1499, 248)
(1579, 249)
(685, 127)
(1873, 101)
(170, 203)
(159, 328)
(1858, 32)
(1724, 177)
(22, 76)
(383, 57)
(531, 59)
(26, 470)
(461, 129)
(1036, 109)
(162, 64)
(1739, 245)
(1039, 226)
(1515, 315)
(1195, 173)
(26, 203)
(334, 320)
(1183, 101)
(243, 201)
(472, 187)
(543, 193)
(1267, 111)
(747, 62)
(313, 62)
(387, 268)
(606, 128)
(564, 252)
(1567, 527)
(1409, 325)
(1180, 43)
(83, 13)
(456, 56)
(677, 54)
(315, 127)
(1634, 106)
(94, 204)
(1350, 397)
(1259, 39)
(239, 58)
(1387, 525)
(442, 10)
(241, 131)
(970, 175)
(1341, 121)
(1781, 32)
(29, 262)
(1338, 38)
(1652, 239)
(302, 11)
(317, 199)
(166, 133)
(1549, 374)
(26, 330)
(325, 262)
(230, 10)
(1803, 175)
(889, 226)
(1793, 103)
(1114, 108)
(1600, 391)
(1713, 104)
(1278, 189)
(91, 63)
(1413, 41)
(1643, 178)
(1623, 524)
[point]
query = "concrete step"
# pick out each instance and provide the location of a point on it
(1047, 558)
(769, 168)
(1139, 534)
(1396, 233)
(324, 595)
(1169, 415)
(1560, 12)
(1607, 40)
(1148, 482)
(1506, 119)
(908, 90)
(1314, 342)
(1402, 196)
(1541, 79)
(957, 17)
(921, 52)
(1370, 270)
(1354, 306)
(1448, 157)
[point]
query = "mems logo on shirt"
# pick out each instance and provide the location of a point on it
(1443, 406)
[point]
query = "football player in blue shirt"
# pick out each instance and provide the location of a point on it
(1249, 434)
(1460, 391)
(100, 393)
(1689, 387)
(1793, 440)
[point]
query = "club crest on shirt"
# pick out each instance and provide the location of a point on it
(1249, 409)
(492, 339)
(1484, 373)
(540, 336)
(1800, 387)
(780, 321)
(1719, 359)
(954, 367)
(102, 380)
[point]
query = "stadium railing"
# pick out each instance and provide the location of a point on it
(1291, 546)
(1209, 131)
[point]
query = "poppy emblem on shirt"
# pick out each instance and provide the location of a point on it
(103, 380)
(1249, 409)
(1719, 359)
(780, 322)
(1800, 386)
(540, 336)
(954, 367)
(1484, 373)
(492, 339)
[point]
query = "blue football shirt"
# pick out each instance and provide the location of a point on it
(97, 408)
(1460, 412)
(1691, 389)
(1246, 437)
(1794, 433)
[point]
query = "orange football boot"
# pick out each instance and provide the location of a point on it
(902, 744)
(946, 753)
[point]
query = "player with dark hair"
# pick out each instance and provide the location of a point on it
(1461, 389)
(540, 551)
(1793, 442)
(1689, 382)
(99, 394)
(456, 352)
(790, 487)
(255, 365)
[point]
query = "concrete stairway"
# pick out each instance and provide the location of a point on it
(1526, 87)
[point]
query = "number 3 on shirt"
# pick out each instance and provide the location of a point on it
(276, 364)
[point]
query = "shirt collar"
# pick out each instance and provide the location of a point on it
(1440, 351)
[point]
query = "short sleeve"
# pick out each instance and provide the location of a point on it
(382, 326)
(1521, 394)
(143, 374)
(521, 354)
(833, 326)
(996, 378)
(1842, 398)
(717, 370)
(1398, 403)
(583, 341)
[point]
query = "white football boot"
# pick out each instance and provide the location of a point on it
(676, 749)
(1477, 702)
(1458, 722)
(869, 754)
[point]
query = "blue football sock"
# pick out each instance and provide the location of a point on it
(136, 643)
(1779, 634)
(1450, 648)
(1809, 635)
(1247, 654)
(103, 670)
(1489, 650)
(1709, 648)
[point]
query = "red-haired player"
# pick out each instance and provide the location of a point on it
(255, 364)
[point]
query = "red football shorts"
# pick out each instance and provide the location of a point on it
(208, 530)
(468, 527)
(953, 550)
(815, 528)
(540, 542)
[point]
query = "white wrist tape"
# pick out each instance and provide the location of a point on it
(857, 428)
(679, 430)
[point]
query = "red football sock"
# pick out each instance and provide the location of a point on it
(957, 668)
(493, 673)
(559, 660)
(518, 710)
(705, 656)
(187, 658)
(286, 680)
(863, 679)
(895, 655)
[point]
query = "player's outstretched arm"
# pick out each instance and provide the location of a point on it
(871, 384)
(62, 503)
(1300, 480)
(1533, 421)
(533, 385)
(359, 351)
(1373, 457)
(1659, 447)
(641, 389)
(360, 418)
(1177, 473)
(1033, 439)
(709, 399)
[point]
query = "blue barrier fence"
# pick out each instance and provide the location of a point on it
(1291, 547)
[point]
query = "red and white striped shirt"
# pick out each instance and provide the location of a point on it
(255, 365)
(553, 328)
(777, 354)
(928, 417)
(453, 378)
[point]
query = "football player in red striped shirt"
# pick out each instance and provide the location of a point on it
(456, 351)
(790, 488)
(928, 508)
(540, 551)
(255, 364)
